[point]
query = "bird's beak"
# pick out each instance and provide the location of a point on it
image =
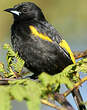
(13, 11)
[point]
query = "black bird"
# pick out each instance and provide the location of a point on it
(37, 42)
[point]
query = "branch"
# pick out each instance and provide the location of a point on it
(58, 97)
(76, 93)
(75, 86)
(78, 54)
(74, 90)
(62, 100)
(52, 105)
(4, 81)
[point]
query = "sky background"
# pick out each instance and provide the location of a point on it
(69, 17)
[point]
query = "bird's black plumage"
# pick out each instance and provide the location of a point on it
(38, 43)
(39, 55)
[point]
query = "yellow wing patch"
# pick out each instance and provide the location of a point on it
(40, 35)
(64, 45)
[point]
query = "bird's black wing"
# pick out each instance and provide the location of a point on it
(47, 32)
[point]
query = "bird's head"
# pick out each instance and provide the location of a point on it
(26, 10)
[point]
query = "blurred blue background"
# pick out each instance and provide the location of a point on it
(69, 17)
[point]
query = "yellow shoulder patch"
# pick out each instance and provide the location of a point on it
(64, 45)
(40, 35)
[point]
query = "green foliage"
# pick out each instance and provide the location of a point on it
(4, 98)
(15, 63)
(2, 68)
(32, 91)
(26, 90)
(81, 66)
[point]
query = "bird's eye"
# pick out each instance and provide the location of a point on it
(24, 10)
